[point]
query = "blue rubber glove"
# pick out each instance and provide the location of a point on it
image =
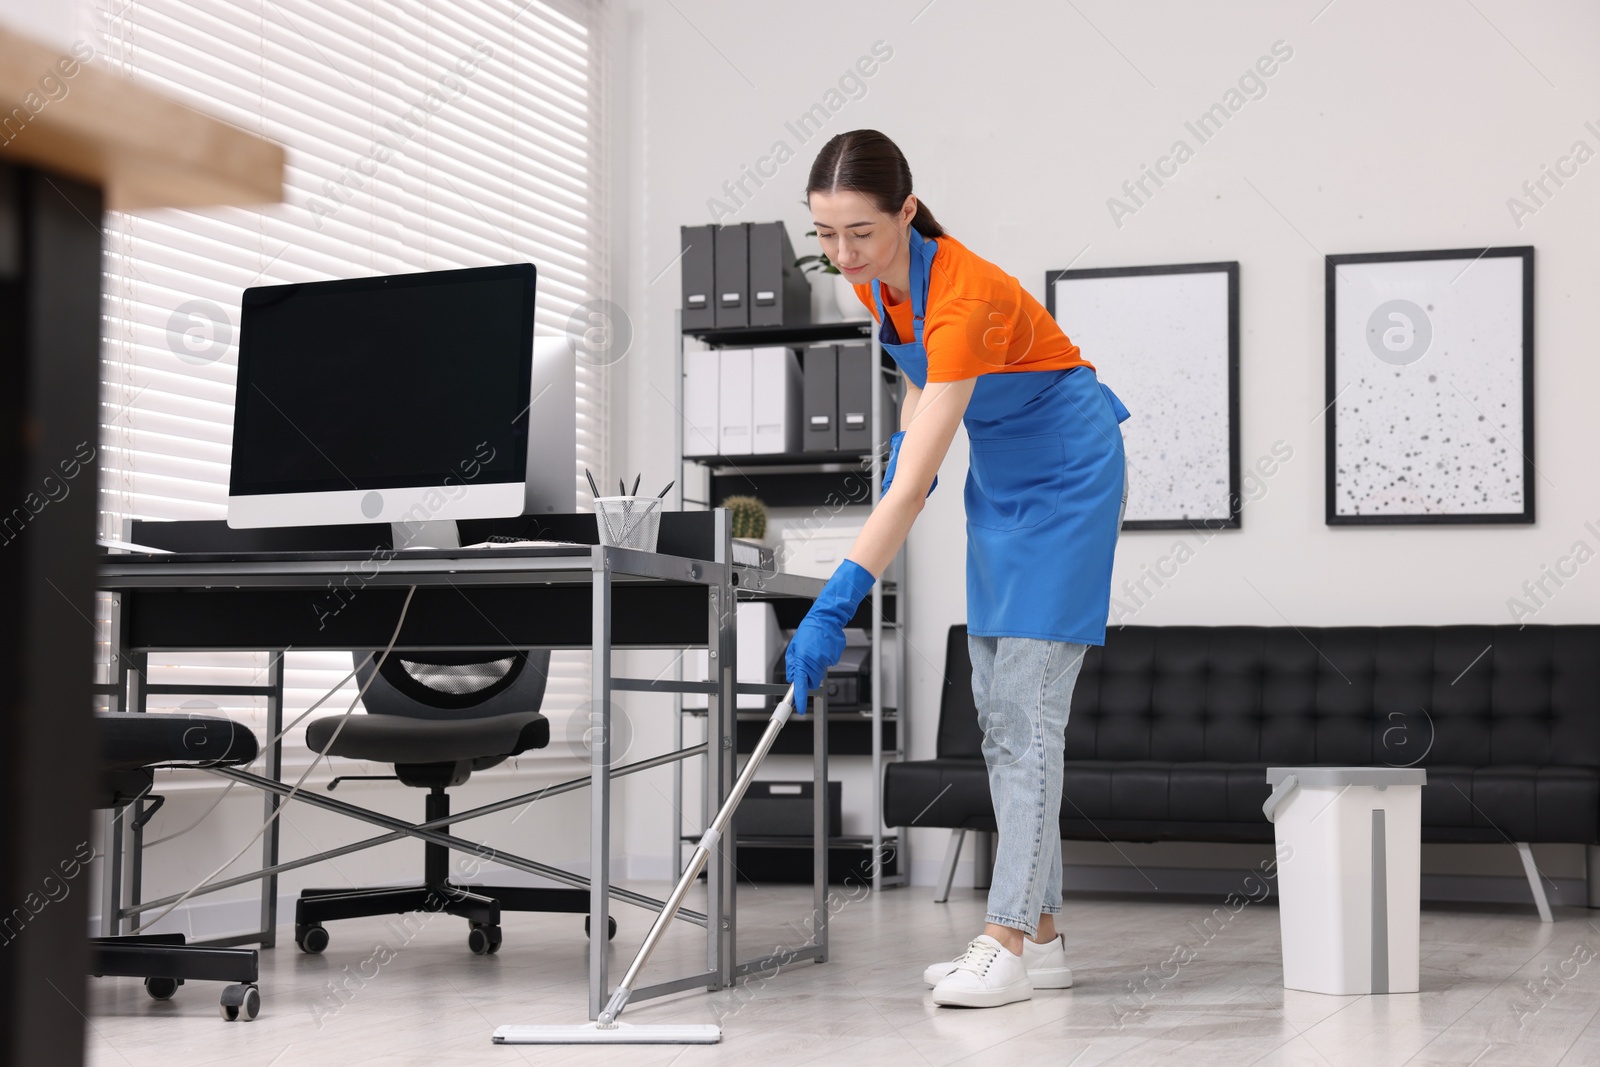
(818, 642)
(894, 454)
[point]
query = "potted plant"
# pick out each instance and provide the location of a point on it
(844, 294)
(749, 517)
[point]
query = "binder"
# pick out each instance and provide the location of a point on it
(702, 384)
(779, 292)
(699, 277)
(821, 410)
(775, 400)
(732, 270)
(855, 396)
(733, 403)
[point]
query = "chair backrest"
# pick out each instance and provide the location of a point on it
(1361, 695)
(1281, 695)
(471, 684)
(959, 736)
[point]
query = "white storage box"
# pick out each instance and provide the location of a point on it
(760, 642)
(815, 553)
(1349, 876)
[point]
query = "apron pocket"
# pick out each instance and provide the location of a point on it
(1016, 481)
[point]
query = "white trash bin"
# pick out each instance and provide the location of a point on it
(1349, 876)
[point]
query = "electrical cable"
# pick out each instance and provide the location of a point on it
(393, 640)
(229, 788)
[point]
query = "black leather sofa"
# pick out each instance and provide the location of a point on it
(1173, 727)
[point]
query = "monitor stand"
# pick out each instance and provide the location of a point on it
(428, 533)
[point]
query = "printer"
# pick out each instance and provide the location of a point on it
(849, 682)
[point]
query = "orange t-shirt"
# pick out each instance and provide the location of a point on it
(979, 320)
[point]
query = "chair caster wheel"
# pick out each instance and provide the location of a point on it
(162, 988)
(312, 939)
(241, 1002)
(611, 927)
(483, 940)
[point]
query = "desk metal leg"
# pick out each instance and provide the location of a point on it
(123, 870)
(675, 846)
(111, 874)
(710, 791)
(111, 879)
(274, 770)
(600, 785)
(819, 826)
(722, 708)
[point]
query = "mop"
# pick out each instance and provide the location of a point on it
(606, 1030)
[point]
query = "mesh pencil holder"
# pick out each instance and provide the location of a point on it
(629, 521)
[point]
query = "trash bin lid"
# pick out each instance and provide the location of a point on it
(1340, 776)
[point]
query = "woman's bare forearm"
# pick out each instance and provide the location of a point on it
(908, 407)
(885, 531)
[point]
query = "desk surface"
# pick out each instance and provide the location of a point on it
(514, 597)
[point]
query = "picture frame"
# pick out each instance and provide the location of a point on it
(1165, 339)
(1429, 387)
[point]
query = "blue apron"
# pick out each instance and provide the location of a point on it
(1044, 487)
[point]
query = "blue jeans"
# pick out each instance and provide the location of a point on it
(1023, 689)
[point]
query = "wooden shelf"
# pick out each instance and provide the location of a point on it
(142, 149)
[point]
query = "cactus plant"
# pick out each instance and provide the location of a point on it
(749, 517)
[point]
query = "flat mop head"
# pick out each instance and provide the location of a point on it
(615, 1034)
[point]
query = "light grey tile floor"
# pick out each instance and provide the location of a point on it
(1498, 987)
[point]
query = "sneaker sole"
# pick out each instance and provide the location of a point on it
(1047, 978)
(984, 998)
(1051, 978)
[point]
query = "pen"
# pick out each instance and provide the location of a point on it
(664, 491)
(636, 484)
(595, 489)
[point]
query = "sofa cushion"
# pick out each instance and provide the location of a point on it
(952, 793)
(1511, 804)
(1145, 800)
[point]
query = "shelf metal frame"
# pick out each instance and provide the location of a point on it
(884, 844)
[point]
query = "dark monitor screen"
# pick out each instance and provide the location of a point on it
(378, 383)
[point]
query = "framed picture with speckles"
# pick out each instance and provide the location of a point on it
(1430, 387)
(1166, 340)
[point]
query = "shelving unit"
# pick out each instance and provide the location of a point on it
(813, 479)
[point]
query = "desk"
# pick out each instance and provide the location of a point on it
(582, 596)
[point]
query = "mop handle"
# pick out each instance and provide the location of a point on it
(702, 852)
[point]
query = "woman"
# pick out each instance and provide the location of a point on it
(1044, 493)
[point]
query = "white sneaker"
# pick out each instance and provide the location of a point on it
(1046, 963)
(986, 977)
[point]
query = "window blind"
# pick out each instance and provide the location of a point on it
(420, 135)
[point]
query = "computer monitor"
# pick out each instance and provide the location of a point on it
(408, 399)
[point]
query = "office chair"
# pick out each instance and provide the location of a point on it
(438, 716)
(132, 745)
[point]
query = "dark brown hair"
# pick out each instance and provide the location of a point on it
(867, 162)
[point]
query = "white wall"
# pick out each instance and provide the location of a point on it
(56, 22)
(1392, 127)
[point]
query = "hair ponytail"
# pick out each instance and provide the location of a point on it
(924, 222)
(867, 162)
